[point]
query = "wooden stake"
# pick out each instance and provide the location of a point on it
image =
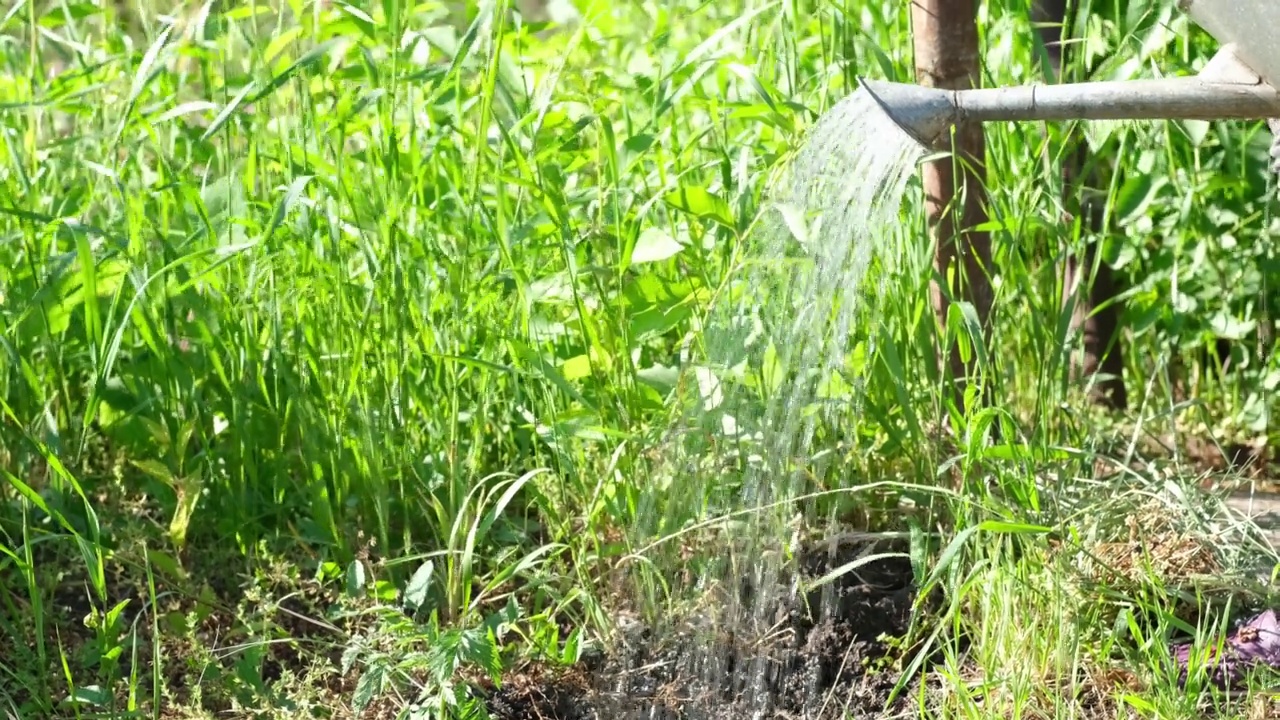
(945, 39)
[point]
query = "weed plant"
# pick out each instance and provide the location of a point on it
(342, 342)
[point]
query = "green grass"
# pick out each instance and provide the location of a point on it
(342, 343)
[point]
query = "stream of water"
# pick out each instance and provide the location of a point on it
(779, 370)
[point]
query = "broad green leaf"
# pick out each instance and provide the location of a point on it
(795, 222)
(415, 593)
(659, 318)
(659, 376)
(709, 387)
(654, 245)
(52, 19)
(166, 564)
(1196, 131)
(1135, 196)
(477, 648)
(577, 367)
(356, 578)
(701, 203)
(90, 695)
(286, 204)
(1226, 326)
(635, 148)
(189, 490)
(1118, 252)
(385, 591)
(155, 469)
(369, 686)
(572, 647)
(113, 615)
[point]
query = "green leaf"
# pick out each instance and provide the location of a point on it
(166, 564)
(227, 112)
(415, 593)
(65, 12)
(143, 77)
(794, 219)
(362, 20)
(701, 203)
(36, 499)
(113, 615)
(477, 648)
(635, 148)
(385, 591)
(1196, 131)
(1135, 196)
(853, 565)
(657, 319)
(1011, 528)
(572, 647)
(577, 367)
(356, 578)
(772, 371)
(90, 695)
(311, 57)
(155, 469)
(654, 245)
(659, 376)
(548, 371)
(189, 490)
(370, 686)
(749, 75)
(1229, 328)
(1119, 252)
(949, 555)
(286, 203)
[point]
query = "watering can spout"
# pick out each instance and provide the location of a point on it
(1225, 89)
(926, 114)
(1238, 83)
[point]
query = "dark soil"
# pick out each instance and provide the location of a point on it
(827, 653)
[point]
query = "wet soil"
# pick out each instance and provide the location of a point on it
(819, 654)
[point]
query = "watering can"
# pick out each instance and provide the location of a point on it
(1237, 83)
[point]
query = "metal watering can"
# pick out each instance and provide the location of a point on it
(1237, 83)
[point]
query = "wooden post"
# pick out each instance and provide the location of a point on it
(945, 39)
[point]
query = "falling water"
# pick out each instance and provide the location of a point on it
(836, 208)
(776, 366)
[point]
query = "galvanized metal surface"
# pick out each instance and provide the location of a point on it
(1229, 92)
(1237, 84)
(1251, 25)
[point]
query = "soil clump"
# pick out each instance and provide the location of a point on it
(814, 653)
